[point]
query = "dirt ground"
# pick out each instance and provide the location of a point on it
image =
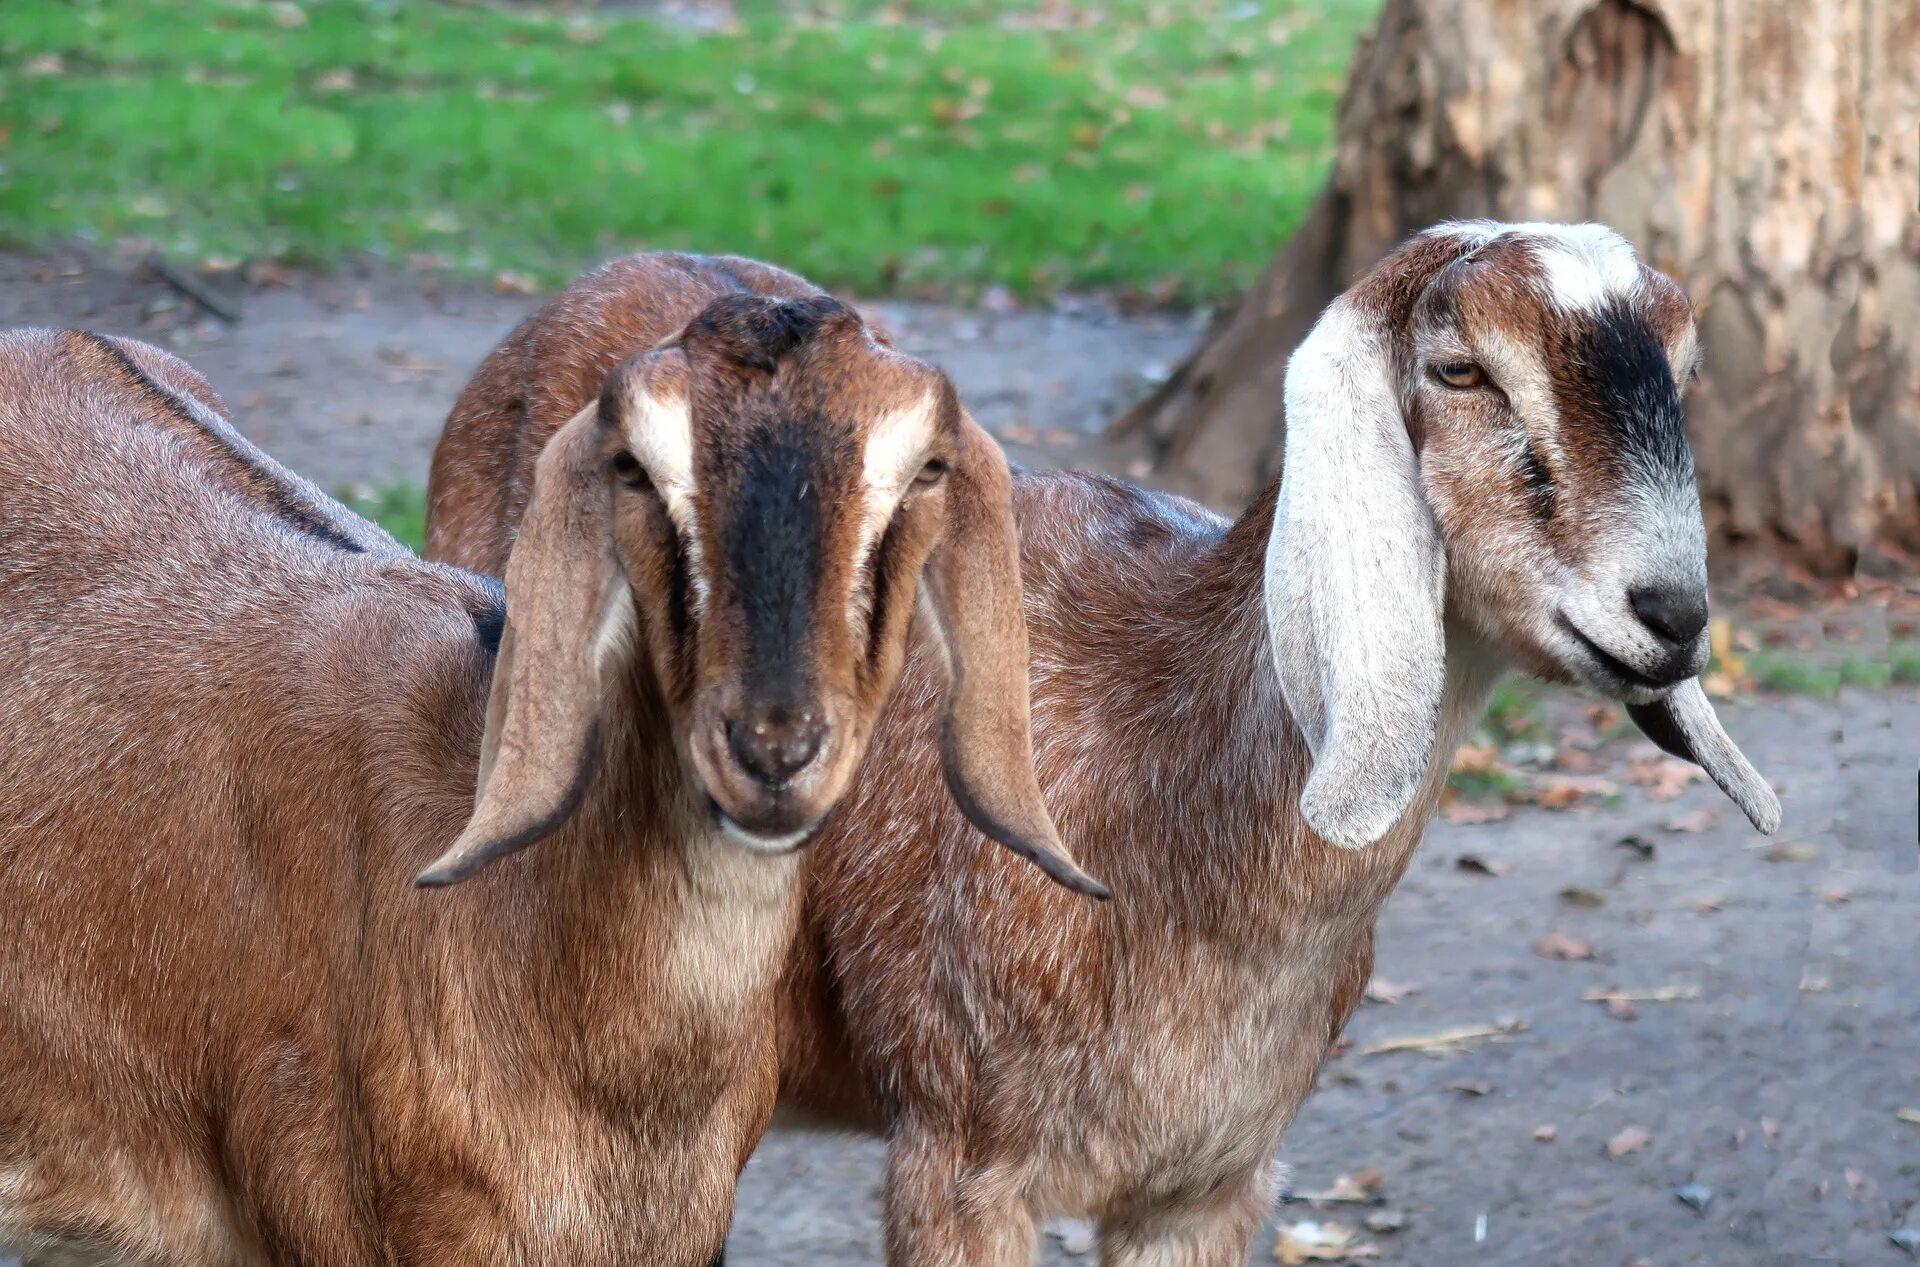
(1766, 1080)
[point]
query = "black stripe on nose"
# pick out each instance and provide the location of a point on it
(773, 553)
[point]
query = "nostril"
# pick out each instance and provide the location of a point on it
(1675, 615)
(775, 745)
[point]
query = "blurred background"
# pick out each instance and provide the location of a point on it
(1111, 221)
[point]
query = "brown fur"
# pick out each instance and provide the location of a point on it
(1138, 1061)
(232, 1031)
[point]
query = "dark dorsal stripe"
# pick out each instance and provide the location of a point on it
(247, 470)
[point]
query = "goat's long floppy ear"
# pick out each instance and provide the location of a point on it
(1683, 723)
(568, 621)
(972, 582)
(1355, 583)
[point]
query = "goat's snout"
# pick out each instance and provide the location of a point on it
(774, 744)
(1675, 614)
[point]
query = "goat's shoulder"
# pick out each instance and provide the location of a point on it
(1083, 528)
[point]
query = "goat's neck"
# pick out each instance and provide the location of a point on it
(633, 919)
(1226, 748)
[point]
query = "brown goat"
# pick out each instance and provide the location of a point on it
(232, 1030)
(1244, 728)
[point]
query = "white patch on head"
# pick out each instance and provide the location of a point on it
(896, 449)
(659, 432)
(1584, 264)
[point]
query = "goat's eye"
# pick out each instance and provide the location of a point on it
(1459, 375)
(932, 473)
(627, 469)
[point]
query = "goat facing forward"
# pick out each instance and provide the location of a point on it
(241, 719)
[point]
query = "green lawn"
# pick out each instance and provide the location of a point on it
(1167, 146)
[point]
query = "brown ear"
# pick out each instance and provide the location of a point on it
(567, 600)
(973, 583)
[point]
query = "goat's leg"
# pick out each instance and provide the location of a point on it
(1218, 1232)
(944, 1212)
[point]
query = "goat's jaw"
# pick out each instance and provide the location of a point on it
(761, 843)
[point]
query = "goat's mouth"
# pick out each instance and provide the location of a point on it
(1614, 676)
(775, 840)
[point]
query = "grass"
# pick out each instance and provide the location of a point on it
(1167, 148)
(400, 507)
(1802, 675)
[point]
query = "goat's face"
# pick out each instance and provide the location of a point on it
(1541, 381)
(1484, 435)
(746, 520)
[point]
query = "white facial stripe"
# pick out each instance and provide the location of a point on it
(659, 431)
(896, 449)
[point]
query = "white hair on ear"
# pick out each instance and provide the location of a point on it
(1355, 583)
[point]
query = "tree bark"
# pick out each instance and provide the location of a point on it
(1766, 153)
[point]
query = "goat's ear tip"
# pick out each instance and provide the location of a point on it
(1341, 822)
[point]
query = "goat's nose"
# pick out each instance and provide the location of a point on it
(1676, 615)
(776, 744)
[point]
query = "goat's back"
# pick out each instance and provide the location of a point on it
(199, 683)
(552, 364)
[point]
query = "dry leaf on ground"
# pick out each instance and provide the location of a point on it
(1664, 994)
(1905, 1115)
(1663, 777)
(1463, 813)
(1481, 866)
(1381, 990)
(1630, 1140)
(1329, 1242)
(1698, 821)
(1546, 1133)
(1557, 945)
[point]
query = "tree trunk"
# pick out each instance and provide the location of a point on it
(1766, 153)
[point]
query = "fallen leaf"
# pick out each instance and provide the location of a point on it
(1770, 1129)
(1696, 1195)
(1622, 1009)
(1905, 1115)
(1557, 945)
(1450, 1039)
(1698, 821)
(1386, 1221)
(1546, 1133)
(1381, 990)
(1706, 905)
(1328, 1242)
(1792, 852)
(1904, 1237)
(1474, 1087)
(1480, 866)
(1370, 1177)
(1477, 759)
(1630, 1140)
(1663, 777)
(1836, 897)
(1464, 813)
(1559, 794)
(1574, 895)
(508, 282)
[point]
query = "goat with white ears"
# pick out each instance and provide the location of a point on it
(1243, 728)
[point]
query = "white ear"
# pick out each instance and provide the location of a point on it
(1355, 583)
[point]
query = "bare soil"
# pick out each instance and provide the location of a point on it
(1770, 1077)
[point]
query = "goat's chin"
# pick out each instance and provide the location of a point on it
(772, 837)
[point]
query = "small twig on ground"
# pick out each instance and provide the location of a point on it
(182, 280)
